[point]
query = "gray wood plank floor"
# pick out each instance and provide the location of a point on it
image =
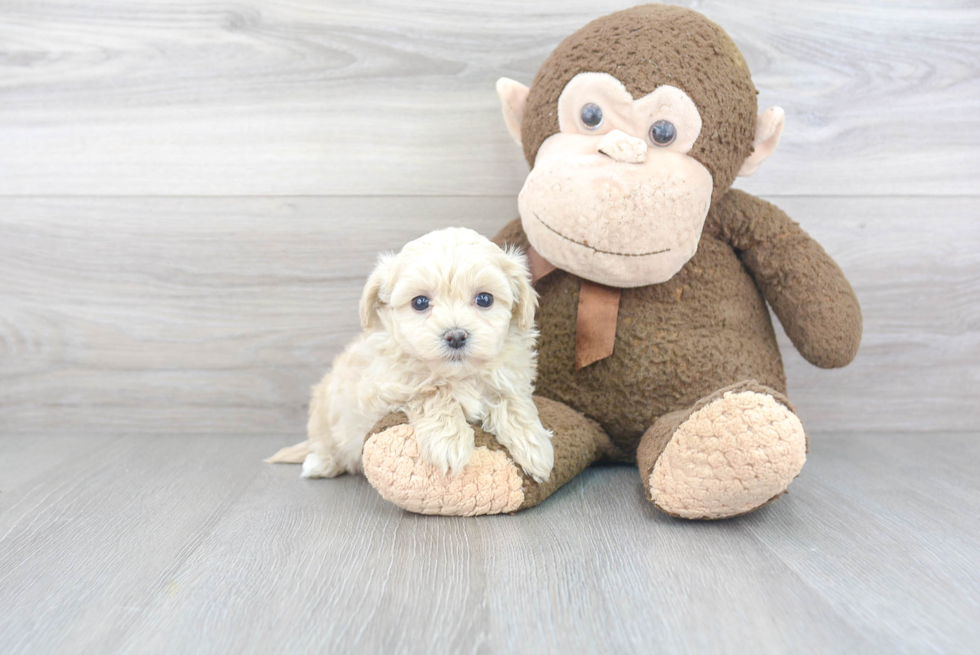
(190, 544)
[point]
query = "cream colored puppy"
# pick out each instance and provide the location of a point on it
(449, 339)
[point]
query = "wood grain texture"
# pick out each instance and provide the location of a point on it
(85, 548)
(190, 544)
(216, 315)
(195, 97)
(929, 521)
(26, 457)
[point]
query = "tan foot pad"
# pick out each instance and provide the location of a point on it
(729, 457)
(489, 484)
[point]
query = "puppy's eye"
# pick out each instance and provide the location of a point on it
(483, 300)
(592, 115)
(663, 133)
(420, 303)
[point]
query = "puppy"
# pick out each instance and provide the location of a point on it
(449, 339)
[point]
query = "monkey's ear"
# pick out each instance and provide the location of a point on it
(377, 291)
(768, 129)
(513, 98)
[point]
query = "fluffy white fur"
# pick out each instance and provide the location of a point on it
(403, 362)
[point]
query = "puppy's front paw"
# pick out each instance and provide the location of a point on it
(449, 451)
(532, 449)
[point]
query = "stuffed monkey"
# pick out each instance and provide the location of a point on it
(654, 276)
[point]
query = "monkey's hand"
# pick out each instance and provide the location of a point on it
(805, 287)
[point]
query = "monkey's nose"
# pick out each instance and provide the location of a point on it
(623, 148)
(456, 338)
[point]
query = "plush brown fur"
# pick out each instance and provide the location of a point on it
(646, 47)
(805, 287)
(707, 329)
(704, 329)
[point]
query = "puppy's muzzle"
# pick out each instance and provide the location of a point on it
(455, 338)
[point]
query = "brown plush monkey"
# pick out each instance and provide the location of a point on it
(656, 343)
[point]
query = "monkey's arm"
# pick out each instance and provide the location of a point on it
(805, 287)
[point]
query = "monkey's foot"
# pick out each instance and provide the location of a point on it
(734, 452)
(490, 484)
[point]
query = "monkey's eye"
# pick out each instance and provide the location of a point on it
(663, 133)
(420, 303)
(592, 115)
(483, 300)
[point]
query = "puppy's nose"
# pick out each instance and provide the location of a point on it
(456, 338)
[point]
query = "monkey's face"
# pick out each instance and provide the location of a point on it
(614, 196)
(635, 124)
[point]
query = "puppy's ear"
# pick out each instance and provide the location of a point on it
(377, 291)
(525, 297)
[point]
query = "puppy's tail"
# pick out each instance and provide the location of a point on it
(292, 454)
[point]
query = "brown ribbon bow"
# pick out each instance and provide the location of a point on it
(598, 309)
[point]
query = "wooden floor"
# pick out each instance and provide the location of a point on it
(187, 544)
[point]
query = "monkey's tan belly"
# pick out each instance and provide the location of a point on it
(676, 342)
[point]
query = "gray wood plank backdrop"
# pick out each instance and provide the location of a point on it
(192, 192)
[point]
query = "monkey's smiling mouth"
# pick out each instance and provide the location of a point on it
(602, 252)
